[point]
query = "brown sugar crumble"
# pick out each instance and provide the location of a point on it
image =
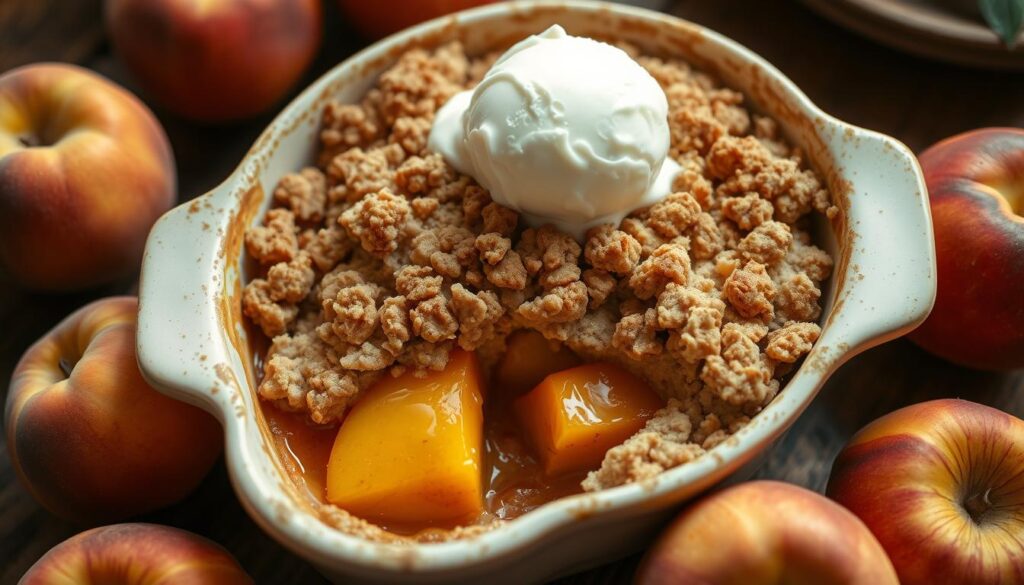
(383, 258)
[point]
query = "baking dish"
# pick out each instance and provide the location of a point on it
(192, 343)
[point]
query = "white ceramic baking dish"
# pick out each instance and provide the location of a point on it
(192, 344)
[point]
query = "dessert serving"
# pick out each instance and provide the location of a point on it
(518, 276)
(195, 343)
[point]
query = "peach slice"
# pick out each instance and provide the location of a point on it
(573, 417)
(528, 359)
(409, 451)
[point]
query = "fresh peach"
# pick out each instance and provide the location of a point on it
(85, 170)
(137, 554)
(766, 532)
(378, 19)
(941, 484)
(88, 436)
(976, 185)
(216, 60)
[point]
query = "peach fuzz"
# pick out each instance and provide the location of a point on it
(976, 186)
(85, 171)
(941, 485)
(216, 60)
(136, 554)
(88, 436)
(766, 532)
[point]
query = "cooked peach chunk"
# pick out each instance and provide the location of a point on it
(409, 451)
(574, 416)
(528, 359)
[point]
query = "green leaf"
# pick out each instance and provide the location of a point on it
(1004, 17)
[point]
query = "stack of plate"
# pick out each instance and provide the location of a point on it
(940, 29)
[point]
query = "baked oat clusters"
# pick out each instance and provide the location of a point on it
(383, 259)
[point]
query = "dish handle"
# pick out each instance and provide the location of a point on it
(181, 344)
(889, 281)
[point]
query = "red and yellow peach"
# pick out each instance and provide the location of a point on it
(766, 532)
(941, 485)
(88, 436)
(976, 185)
(137, 554)
(85, 170)
(219, 60)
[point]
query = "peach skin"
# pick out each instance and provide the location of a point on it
(766, 532)
(941, 484)
(976, 186)
(136, 554)
(85, 170)
(219, 60)
(89, 438)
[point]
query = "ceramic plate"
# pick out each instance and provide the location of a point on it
(947, 30)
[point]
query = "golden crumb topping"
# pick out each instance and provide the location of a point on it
(383, 258)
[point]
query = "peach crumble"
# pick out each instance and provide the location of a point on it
(383, 263)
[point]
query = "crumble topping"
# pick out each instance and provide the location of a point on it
(305, 193)
(383, 258)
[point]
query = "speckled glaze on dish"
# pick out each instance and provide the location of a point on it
(192, 343)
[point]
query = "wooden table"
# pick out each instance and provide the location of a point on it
(915, 100)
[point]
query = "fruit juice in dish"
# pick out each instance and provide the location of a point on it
(384, 261)
(513, 478)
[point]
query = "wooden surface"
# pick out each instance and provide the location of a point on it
(914, 100)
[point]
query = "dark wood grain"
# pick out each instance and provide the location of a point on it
(49, 30)
(912, 99)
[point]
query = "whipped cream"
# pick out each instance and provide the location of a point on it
(565, 130)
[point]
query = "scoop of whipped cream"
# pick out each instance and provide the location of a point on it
(565, 130)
